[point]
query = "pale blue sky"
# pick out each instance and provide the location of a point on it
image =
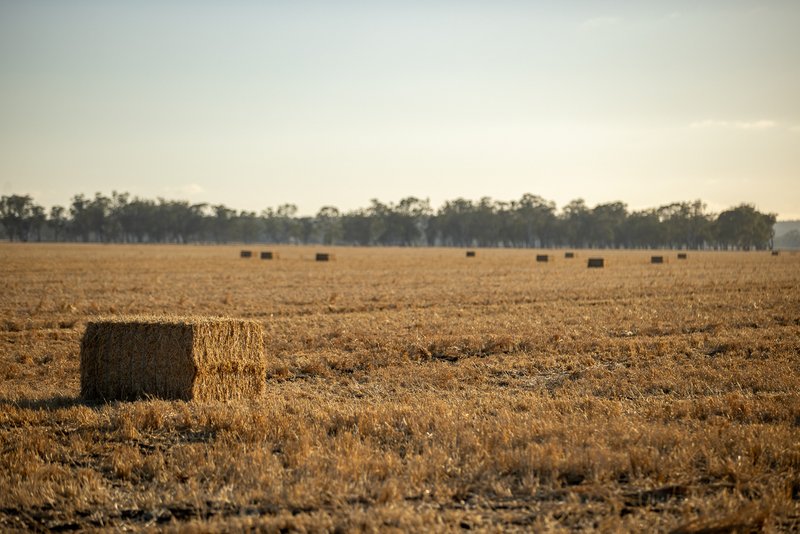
(254, 104)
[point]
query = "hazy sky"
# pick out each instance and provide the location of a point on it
(258, 103)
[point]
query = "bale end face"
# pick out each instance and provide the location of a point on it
(656, 259)
(596, 263)
(542, 258)
(682, 256)
(269, 255)
(569, 254)
(325, 256)
(470, 253)
(172, 358)
(245, 254)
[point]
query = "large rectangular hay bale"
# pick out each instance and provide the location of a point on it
(325, 256)
(246, 254)
(268, 255)
(470, 253)
(596, 263)
(682, 255)
(569, 254)
(542, 258)
(172, 358)
(656, 259)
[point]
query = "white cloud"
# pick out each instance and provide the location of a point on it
(738, 125)
(599, 22)
(189, 190)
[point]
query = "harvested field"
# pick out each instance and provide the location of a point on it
(407, 388)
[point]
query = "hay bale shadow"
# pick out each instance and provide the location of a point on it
(49, 404)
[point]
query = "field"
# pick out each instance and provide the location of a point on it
(415, 389)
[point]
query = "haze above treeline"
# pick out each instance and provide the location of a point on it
(530, 221)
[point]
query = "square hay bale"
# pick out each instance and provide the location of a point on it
(542, 258)
(569, 254)
(245, 254)
(682, 255)
(776, 252)
(656, 259)
(172, 358)
(269, 255)
(325, 256)
(596, 263)
(470, 253)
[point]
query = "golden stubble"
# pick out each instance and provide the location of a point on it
(415, 389)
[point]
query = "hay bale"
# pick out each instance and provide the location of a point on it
(596, 263)
(470, 253)
(569, 254)
(542, 258)
(172, 358)
(325, 256)
(245, 254)
(656, 259)
(775, 252)
(682, 255)
(269, 255)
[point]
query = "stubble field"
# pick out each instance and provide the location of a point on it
(415, 389)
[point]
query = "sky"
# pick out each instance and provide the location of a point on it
(254, 104)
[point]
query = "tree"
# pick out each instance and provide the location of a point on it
(607, 222)
(328, 225)
(643, 229)
(58, 221)
(357, 227)
(534, 221)
(38, 219)
(743, 227)
(17, 213)
(223, 226)
(576, 223)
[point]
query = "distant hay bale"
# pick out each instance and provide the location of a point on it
(682, 255)
(172, 358)
(596, 263)
(542, 258)
(569, 254)
(470, 253)
(325, 256)
(269, 255)
(656, 259)
(776, 252)
(245, 254)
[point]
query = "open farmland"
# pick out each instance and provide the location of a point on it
(417, 389)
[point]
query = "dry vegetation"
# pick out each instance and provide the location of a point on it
(415, 389)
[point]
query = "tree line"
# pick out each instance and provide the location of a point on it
(530, 222)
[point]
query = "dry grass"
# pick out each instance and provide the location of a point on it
(415, 389)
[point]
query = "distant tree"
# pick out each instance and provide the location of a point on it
(57, 221)
(223, 224)
(606, 225)
(534, 221)
(643, 229)
(17, 214)
(743, 227)
(328, 225)
(357, 228)
(790, 239)
(38, 221)
(90, 218)
(576, 223)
